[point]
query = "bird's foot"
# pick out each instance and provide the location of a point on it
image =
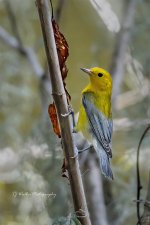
(75, 153)
(74, 131)
(70, 111)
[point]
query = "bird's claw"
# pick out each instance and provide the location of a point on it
(76, 153)
(70, 111)
(74, 131)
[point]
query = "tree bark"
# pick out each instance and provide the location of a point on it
(59, 95)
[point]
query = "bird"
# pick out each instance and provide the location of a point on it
(95, 116)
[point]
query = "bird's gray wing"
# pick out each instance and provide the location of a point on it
(100, 126)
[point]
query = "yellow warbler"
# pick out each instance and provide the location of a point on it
(95, 115)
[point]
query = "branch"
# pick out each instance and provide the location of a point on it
(139, 186)
(122, 42)
(145, 219)
(29, 54)
(59, 8)
(9, 40)
(16, 42)
(59, 96)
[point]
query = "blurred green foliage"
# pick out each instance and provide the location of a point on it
(67, 221)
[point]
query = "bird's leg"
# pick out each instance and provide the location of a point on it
(85, 149)
(80, 151)
(70, 112)
(73, 122)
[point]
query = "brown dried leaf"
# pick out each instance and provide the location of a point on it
(62, 47)
(53, 116)
(63, 53)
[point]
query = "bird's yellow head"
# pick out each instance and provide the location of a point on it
(100, 78)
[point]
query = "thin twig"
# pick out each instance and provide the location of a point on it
(52, 12)
(16, 43)
(59, 8)
(29, 53)
(145, 218)
(12, 42)
(139, 186)
(60, 99)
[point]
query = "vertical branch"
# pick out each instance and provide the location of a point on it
(62, 108)
(122, 42)
(145, 220)
(139, 186)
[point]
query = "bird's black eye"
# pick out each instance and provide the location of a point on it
(100, 74)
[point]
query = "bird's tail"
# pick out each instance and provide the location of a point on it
(104, 162)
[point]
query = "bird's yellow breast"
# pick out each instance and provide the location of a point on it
(100, 98)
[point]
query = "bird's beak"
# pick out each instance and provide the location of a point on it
(88, 71)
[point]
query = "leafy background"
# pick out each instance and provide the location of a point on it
(30, 154)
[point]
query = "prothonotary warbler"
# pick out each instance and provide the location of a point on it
(95, 115)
